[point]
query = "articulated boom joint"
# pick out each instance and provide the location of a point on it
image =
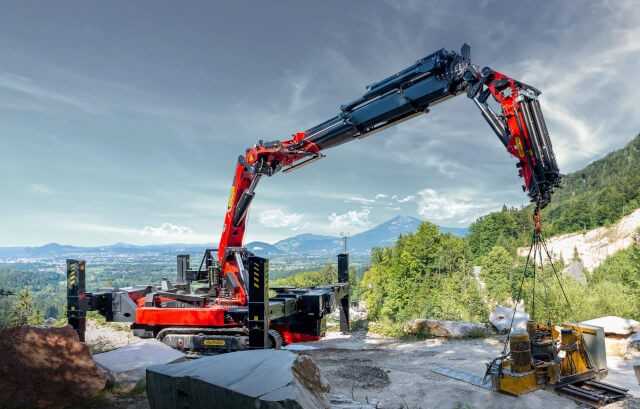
(413, 91)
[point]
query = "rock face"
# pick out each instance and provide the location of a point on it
(261, 379)
(501, 317)
(447, 329)
(596, 245)
(46, 368)
(613, 325)
(127, 365)
(575, 270)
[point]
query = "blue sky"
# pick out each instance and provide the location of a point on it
(122, 121)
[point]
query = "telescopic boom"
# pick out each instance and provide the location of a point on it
(519, 125)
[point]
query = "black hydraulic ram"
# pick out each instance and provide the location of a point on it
(432, 80)
(399, 97)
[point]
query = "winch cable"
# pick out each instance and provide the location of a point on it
(524, 275)
(555, 272)
(536, 251)
(538, 244)
(546, 291)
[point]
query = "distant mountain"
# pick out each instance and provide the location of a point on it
(263, 249)
(382, 235)
(55, 250)
(309, 244)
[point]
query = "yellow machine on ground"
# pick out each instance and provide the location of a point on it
(570, 358)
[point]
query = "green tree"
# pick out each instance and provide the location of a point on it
(23, 312)
(426, 274)
(497, 273)
(508, 228)
(328, 275)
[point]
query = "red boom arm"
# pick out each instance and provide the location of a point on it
(520, 126)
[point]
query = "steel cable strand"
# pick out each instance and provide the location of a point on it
(524, 275)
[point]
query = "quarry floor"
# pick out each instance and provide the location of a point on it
(397, 374)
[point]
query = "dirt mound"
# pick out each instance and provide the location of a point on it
(46, 368)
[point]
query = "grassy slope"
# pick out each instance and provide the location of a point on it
(598, 195)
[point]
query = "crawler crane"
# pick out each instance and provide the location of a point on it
(224, 304)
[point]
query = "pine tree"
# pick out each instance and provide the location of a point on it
(23, 312)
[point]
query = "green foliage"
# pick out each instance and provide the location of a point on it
(23, 311)
(508, 228)
(497, 274)
(618, 281)
(612, 289)
(426, 274)
(595, 196)
(328, 275)
(599, 194)
(46, 287)
(587, 301)
(5, 310)
(623, 267)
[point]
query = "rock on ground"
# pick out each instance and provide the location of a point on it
(613, 325)
(126, 366)
(501, 317)
(108, 336)
(266, 379)
(447, 329)
(46, 368)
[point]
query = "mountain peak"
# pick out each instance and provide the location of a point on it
(52, 245)
(402, 219)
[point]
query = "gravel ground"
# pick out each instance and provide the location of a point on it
(395, 374)
(398, 374)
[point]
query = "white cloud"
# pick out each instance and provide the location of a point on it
(278, 218)
(163, 233)
(458, 208)
(406, 199)
(361, 200)
(40, 189)
(353, 219)
(381, 196)
(167, 231)
(583, 126)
